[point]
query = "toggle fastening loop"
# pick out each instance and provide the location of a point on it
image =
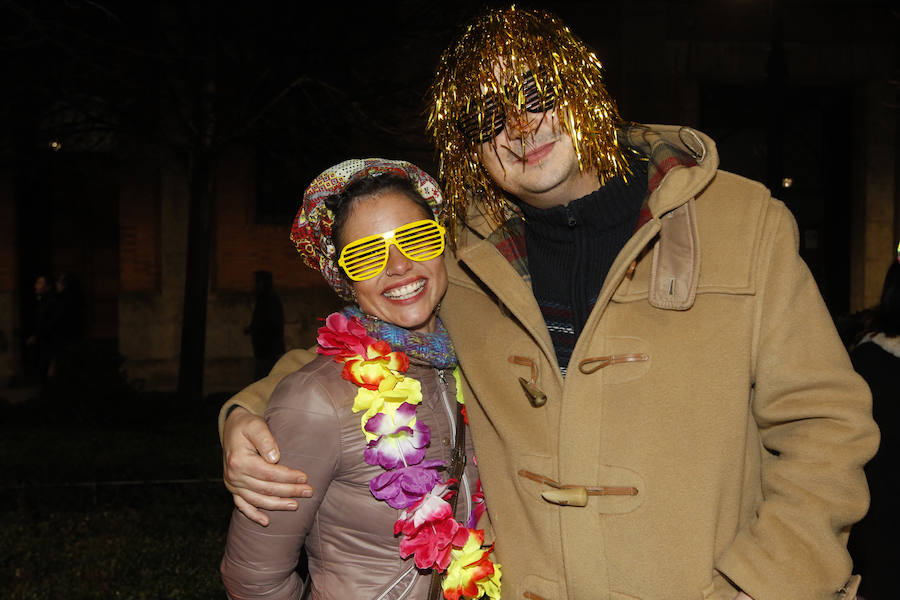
(590, 365)
(575, 495)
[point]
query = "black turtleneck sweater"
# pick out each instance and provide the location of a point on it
(571, 249)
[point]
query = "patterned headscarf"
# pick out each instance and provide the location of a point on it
(311, 230)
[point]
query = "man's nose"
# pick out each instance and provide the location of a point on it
(522, 123)
(397, 263)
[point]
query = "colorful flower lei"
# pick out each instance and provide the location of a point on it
(397, 442)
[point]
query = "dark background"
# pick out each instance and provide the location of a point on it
(111, 491)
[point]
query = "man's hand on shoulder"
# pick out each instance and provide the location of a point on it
(251, 472)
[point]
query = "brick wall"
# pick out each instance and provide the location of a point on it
(150, 305)
(153, 229)
(139, 228)
(242, 245)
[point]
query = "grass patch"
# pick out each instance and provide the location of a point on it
(88, 508)
(164, 552)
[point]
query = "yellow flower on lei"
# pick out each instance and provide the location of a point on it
(471, 574)
(404, 389)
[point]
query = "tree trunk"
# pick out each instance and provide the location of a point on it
(202, 189)
(196, 284)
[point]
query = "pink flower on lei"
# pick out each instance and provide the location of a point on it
(432, 545)
(343, 338)
(429, 530)
(432, 506)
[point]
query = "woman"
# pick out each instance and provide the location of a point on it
(370, 227)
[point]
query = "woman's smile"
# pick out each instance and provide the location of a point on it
(402, 292)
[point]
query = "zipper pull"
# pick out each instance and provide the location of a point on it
(571, 216)
(442, 377)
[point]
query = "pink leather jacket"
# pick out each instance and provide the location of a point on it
(347, 532)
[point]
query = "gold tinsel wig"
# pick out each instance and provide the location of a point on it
(504, 61)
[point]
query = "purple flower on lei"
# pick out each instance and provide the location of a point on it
(403, 487)
(398, 444)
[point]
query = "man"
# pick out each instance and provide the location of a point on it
(660, 405)
(39, 350)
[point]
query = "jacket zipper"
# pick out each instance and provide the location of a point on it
(464, 480)
(398, 581)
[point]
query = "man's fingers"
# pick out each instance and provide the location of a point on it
(260, 437)
(283, 491)
(248, 469)
(250, 511)
(254, 467)
(256, 483)
(259, 501)
(263, 488)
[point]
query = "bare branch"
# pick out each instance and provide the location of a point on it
(104, 10)
(274, 102)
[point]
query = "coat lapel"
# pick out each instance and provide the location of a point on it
(496, 273)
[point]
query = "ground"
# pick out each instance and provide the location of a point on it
(116, 496)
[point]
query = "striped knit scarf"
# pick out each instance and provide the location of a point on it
(431, 349)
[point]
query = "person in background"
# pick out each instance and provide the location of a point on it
(68, 324)
(39, 343)
(877, 358)
(266, 327)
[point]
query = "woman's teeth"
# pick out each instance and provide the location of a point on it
(406, 291)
